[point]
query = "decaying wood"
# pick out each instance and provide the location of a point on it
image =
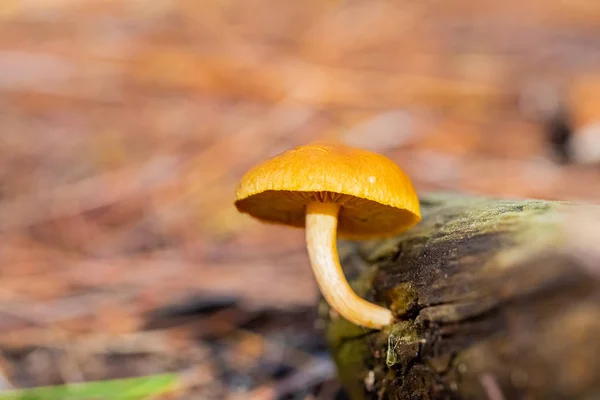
(495, 299)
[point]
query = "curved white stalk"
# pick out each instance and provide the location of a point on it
(321, 231)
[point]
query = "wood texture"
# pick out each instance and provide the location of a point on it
(496, 299)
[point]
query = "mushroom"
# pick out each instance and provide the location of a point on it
(333, 189)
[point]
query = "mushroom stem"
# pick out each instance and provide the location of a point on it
(321, 231)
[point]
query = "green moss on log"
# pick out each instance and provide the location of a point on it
(475, 288)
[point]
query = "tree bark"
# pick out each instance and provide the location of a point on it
(494, 299)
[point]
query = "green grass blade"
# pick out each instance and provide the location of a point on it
(118, 389)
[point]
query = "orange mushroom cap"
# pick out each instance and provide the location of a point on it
(376, 197)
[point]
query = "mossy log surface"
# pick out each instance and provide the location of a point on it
(495, 299)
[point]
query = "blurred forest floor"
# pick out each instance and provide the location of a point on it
(125, 125)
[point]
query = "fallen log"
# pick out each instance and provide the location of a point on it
(494, 299)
